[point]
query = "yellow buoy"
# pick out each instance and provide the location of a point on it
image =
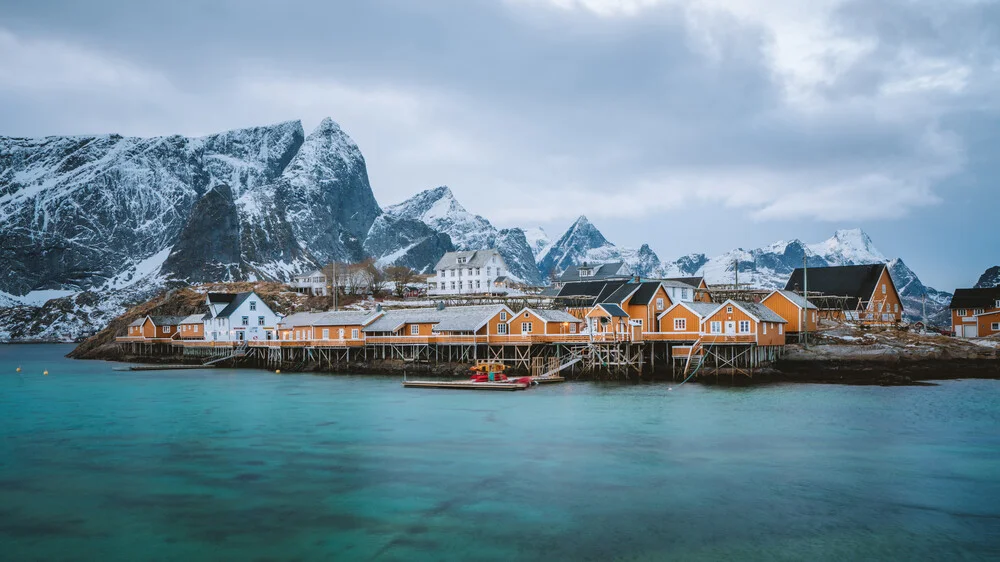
(277, 371)
(18, 369)
(46, 373)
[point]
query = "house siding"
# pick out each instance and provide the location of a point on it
(780, 305)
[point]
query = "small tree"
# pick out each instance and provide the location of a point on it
(401, 276)
(374, 277)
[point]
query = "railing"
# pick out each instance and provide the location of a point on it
(728, 338)
(346, 342)
(671, 336)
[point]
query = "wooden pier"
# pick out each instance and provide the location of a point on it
(467, 385)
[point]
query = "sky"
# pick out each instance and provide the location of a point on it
(690, 125)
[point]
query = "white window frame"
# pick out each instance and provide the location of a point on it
(883, 289)
(715, 327)
(764, 324)
(995, 327)
(977, 311)
(659, 303)
(355, 333)
(962, 312)
(781, 328)
(572, 327)
(503, 328)
(414, 329)
(503, 315)
(260, 320)
(166, 329)
(996, 304)
(741, 324)
(326, 333)
(340, 334)
(246, 320)
(253, 305)
(526, 327)
(680, 324)
(729, 309)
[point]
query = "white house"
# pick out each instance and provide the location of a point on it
(239, 317)
(311, 283)
(470, 272)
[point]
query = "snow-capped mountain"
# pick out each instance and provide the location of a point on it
(583, 243)
(439, 210)
(537, 239)
(989, 278)
(770, 266)
(95, 220)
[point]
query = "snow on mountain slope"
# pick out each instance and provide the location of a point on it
(989, 278)
(537, 239)
(583, 243)
(438, 209)
(769, 267)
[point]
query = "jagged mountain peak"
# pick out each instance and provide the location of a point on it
(990, 278)
(849, 246)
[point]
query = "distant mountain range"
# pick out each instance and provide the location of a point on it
(90, 224)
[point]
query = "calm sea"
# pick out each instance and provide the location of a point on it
(249, 465)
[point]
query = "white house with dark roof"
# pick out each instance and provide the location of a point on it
(238, 317)
(594, 272)
(470, 272)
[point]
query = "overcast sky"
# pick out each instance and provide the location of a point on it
(693, 125)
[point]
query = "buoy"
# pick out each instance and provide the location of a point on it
(46, 373)
(277, 371)
(18, 369)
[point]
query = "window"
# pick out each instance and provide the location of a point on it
(470, 272)
(477, 272)
(463, 260)
(326, 333)
(995, 326)
(814, 316)
(502, 328)
(961, 312)
(355, 333)
(684, 294)
(680, 324)
(453, 285)
(765, 328)
(489, 271)
(526, 327)
(883, 288)
(340, 333)
(659, 304)
(977, 311)
(744, 326)
(781, 329)
(996, 304)
(414, 330)
(166, 329)
(260, 320)
(451, 273)
(441, 273)
(716, 327)
(503, 316)
(253, 305)
(525, 313)
(729, 310)
(459, 272)
(895, 307)
(298, 334)
(246, 320)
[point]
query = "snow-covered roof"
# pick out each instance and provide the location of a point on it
(346, 318)
(796, 299)
(194, 319)
(167, 320)
(548, 315)
(448, 319)
(755, 309)
(473, 258)
(300, 319)
(598, 271)
(138, 321)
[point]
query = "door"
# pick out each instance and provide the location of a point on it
(340, 334)
(971, 331)
(730, 327)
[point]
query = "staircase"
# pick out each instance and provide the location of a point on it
(239, 351)
(692, 365)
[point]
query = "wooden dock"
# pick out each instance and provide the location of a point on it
(466, 385)
(162, 367)
(548, 379)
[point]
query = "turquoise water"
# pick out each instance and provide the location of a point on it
(249, 465)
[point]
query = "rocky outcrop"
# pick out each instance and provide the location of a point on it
(394, 240)
(989, 278)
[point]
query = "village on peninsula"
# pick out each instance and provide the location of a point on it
(593, 320)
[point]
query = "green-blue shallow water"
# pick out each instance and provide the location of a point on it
(249, 465)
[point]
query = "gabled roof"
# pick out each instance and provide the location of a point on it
(220, 298)
(601, 271)
(300, 319)
(594, 291)
(795, 298)
(238, 299)
(474, 258)
(468, 318)
(614, 310)
(138, 321)
(621, 294)
(855, 281)
(347, 318)
(689, 281)
(700, 309)
(646, 292)
(975, 298)
(756, 310)
(548, 315)
(167, 320)
(194, 319)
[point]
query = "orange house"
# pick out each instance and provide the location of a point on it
(973, 312)
(547, 322)
(791, 306)
(865, 293)
(342, 326)
(135, 329)
(609, 319)
(479, 321)
(743, 322)
(155, 327)
(642, 302)
(682, 321)
(697, 285)
(192, 327)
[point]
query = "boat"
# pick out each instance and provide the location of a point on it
(486, 375)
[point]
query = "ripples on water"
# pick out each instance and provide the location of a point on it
(248, 465)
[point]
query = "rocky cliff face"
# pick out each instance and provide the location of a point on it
(989, 278)
(394, 240)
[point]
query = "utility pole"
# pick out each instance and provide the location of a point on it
(805, 295)
(736, 267)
